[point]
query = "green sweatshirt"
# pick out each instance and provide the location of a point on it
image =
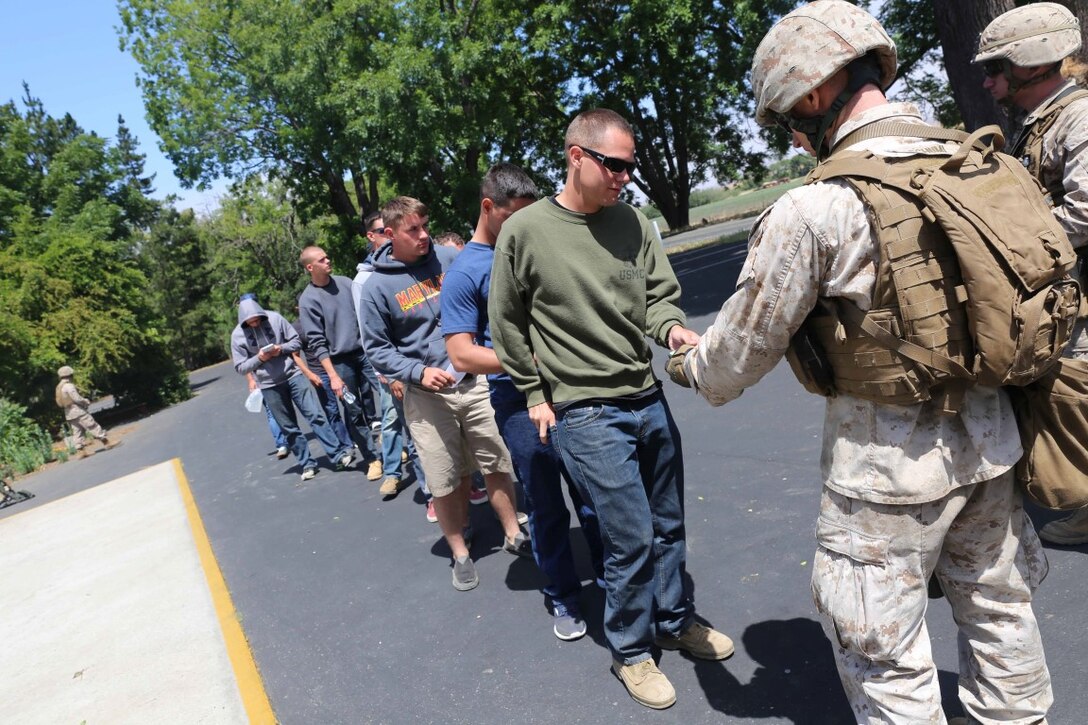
(580, 292)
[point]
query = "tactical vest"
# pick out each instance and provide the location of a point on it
(995, 244)
(1029, 144)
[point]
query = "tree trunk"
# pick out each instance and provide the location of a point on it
(959, 25)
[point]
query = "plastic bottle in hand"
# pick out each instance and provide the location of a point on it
(348, 397)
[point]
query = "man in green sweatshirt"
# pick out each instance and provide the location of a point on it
(579, 282)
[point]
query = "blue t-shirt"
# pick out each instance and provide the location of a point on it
(464, 309)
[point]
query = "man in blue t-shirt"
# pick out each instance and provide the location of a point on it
(506, 189)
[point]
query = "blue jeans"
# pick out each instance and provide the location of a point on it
(331, 407)
(297, 390)
(394, 436)
(358, 376)
(625, 459)
(539, 469)
(274, 428)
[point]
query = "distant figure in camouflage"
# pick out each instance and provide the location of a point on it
(76, 412)
(909, 491)
(1021, 53)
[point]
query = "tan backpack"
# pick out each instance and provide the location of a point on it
(1013, 257)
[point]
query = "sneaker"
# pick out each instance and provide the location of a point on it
(646, 684)
(568, 623)
(106, 445)
(374, 470)
(376, 426)
(464, 574)
(477, 496)
(700, 641)
(518, 546)
(390, 486)
(309, 473)
(403, 455)
(281, 452)
(523, 518)
(432, 517)
(345, 461)
(1070, 531)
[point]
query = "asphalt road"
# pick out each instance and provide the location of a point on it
(347, 604)
(710, 231)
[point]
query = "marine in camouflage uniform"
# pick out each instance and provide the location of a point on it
(1021, 53)
(908, 492)
(76, 414)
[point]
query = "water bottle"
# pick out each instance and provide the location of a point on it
(349, 399)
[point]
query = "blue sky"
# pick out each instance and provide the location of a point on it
(67, 50)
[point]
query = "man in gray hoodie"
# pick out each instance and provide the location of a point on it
(448, 413)
(263, 344)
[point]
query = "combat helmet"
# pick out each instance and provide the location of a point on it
(806, 48)
(1030, 36)
(65, 372)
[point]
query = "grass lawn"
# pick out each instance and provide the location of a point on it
(742, 205)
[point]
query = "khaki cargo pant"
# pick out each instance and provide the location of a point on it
(869, 582)
(85, 424)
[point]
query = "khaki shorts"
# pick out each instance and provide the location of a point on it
(454, 431)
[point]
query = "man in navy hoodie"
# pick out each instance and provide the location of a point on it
(448, 413)
(263, 343)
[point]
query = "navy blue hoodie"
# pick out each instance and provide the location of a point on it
(399, 314)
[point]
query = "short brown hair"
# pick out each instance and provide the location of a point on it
(588, 127)
(308, 255)
(398, 207)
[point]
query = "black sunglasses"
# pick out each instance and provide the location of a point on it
(993, 67)
(616, 166)
(784, 124)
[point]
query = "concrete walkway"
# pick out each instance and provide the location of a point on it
(114, 611)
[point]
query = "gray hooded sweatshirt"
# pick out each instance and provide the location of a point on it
(399, 314)
(246, 342)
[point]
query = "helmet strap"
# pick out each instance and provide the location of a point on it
(1016, 85)
(861, 72)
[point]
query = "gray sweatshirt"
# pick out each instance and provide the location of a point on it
(246, 342)
(329, 319)
(399, 314)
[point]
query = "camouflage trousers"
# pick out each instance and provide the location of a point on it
(85, 424)
(870, 586)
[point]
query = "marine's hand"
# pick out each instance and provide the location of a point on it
(543, 417)
(675, 366)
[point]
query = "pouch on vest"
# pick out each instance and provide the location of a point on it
(1052, 414)
(1013, 257)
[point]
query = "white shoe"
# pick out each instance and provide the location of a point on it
(281, 452)
(309, 473)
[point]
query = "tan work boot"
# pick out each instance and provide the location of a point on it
(1070, 531)
(646, 684)
(389, 486)
(374, 470)
(700, 641)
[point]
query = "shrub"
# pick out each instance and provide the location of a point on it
(24, 446)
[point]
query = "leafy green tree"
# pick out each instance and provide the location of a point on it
(678, 70)
(71, 291)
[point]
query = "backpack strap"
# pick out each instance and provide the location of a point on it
(853, 314)
(898, 128)
(1047, 118)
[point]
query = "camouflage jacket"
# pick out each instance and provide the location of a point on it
(816, 241)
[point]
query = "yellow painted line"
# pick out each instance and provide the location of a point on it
(254, 697)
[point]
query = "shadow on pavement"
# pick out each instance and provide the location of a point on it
(796, 677)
